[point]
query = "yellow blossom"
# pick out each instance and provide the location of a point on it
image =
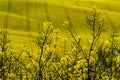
(118, 60)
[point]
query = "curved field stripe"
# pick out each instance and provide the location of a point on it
(109, 19)
(7, 16)
(68, 18)
(27, 16)
(67, 14)
(111, 22)
(17, 16)
(46, 11)
(107, 6)
(84, 10)
(19, 33)
(28, 26)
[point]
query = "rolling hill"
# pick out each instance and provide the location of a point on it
(55, 11)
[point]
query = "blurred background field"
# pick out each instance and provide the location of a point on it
(76, 9)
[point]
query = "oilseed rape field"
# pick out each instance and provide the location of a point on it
(59, 40)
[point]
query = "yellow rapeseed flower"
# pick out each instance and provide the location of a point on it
(118, 60)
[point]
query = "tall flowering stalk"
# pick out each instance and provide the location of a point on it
(44, 42)
(96, 24)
